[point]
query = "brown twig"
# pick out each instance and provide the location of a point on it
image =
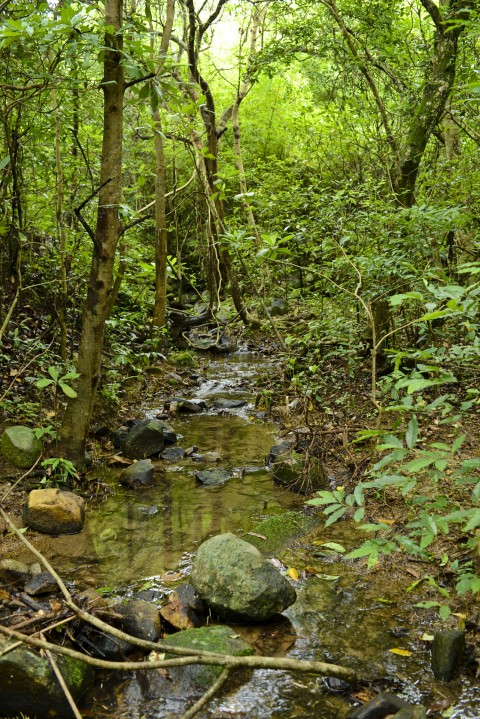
(62, 683)
(205, 698)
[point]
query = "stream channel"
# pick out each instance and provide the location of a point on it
(344, 614)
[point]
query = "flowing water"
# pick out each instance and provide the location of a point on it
(140, 542)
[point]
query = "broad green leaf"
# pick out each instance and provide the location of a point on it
(334, 546)
(44, 382)
(418, 464)
(427, 605)
(66, 389)
(4, 162)
(395, 456)
(359, 514)
(474, 522)
(444, 611)
(412, 432)
(54, 373)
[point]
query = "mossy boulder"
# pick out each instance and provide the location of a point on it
(237, 582)
(280, 530)
(29, 686)
(145, 439)
(300, 474)
(20, 446)
(219, 639)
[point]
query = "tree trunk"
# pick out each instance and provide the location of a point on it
(439, 79)
(161, 249)
(78, 414)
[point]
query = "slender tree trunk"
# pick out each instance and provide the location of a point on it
(78, 414)
(161, 249)
(61, 230)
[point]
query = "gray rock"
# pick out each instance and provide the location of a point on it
(384, 704)
(139, 474)
(11, 570)
(207, 457)
(145, 439)
(211, 477)
(294, 472)
(237, 582)
(42, 583)
(278, 307)
(20, 446)
(173, 454)
(52, 511)
(187, 406)
(27, 682)
(278, 449)
(224, 403)
(447, 653)
(142, 512)
(411, 712)
(140, 619)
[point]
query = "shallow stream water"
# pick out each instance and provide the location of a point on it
(343, 613)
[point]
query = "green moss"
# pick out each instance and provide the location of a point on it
(219, 639)
(280, 530)
(186, 358)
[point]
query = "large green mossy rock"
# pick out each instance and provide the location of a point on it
(20, 446)
(28, 684)
(237, 582)
(219, 639)
(279, 531)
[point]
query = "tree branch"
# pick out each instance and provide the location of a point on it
(434, 13)
(150, 76)
(203, 27)
(78, 210)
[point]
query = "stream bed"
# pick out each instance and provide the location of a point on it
(344, 614)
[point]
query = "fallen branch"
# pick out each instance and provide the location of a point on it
(188, 657)
(205, 698)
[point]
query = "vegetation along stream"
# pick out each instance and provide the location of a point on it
(140, 543)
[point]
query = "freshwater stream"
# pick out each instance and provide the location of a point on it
(343, 613)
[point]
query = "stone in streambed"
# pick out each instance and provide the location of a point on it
(147, 438)
(219, 639)
(278, 531)
(184, 606)
(237, 582)
(42, 583)
(20, 446)
(186, 406)
(140, 619)
(12, 570)
(383, 705)
(293, 471)
(28, 683)
(447, 653)
(172, 454)
(213, 477)
(139, 474)
(52, 511)
(222, 403)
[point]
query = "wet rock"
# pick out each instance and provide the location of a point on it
(229, 403)
(11, 570)
(411, 712)
(139, 474)
(190, 451)
(140, 619)
(186, 406)
(278, 307)
(226, 345)
(28, 683)
(119, 437)
(447, 653)
(173, 454)
(219, 639)
(298, 474)
(52, 511)
(383, 705)
(145, 439)
(35, 569)
(20, 446)
(100, 431)
(183, 608)
(142, 512)
(212, 477)
(237, 582)
(208, 457)
(101, 645)
(42, 583)
(286, 445)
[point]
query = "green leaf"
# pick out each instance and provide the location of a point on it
(359, 514)
(4, 162)
(334, 546)
(66, 389)
(474, 522)
(54, 373)
(418, 464)
(43, 382)
(412, 432)
(333, 517)
(427, 605)
(444, 611)
(395, 456)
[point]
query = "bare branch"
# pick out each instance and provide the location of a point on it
(205, 25)
(78, 210)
